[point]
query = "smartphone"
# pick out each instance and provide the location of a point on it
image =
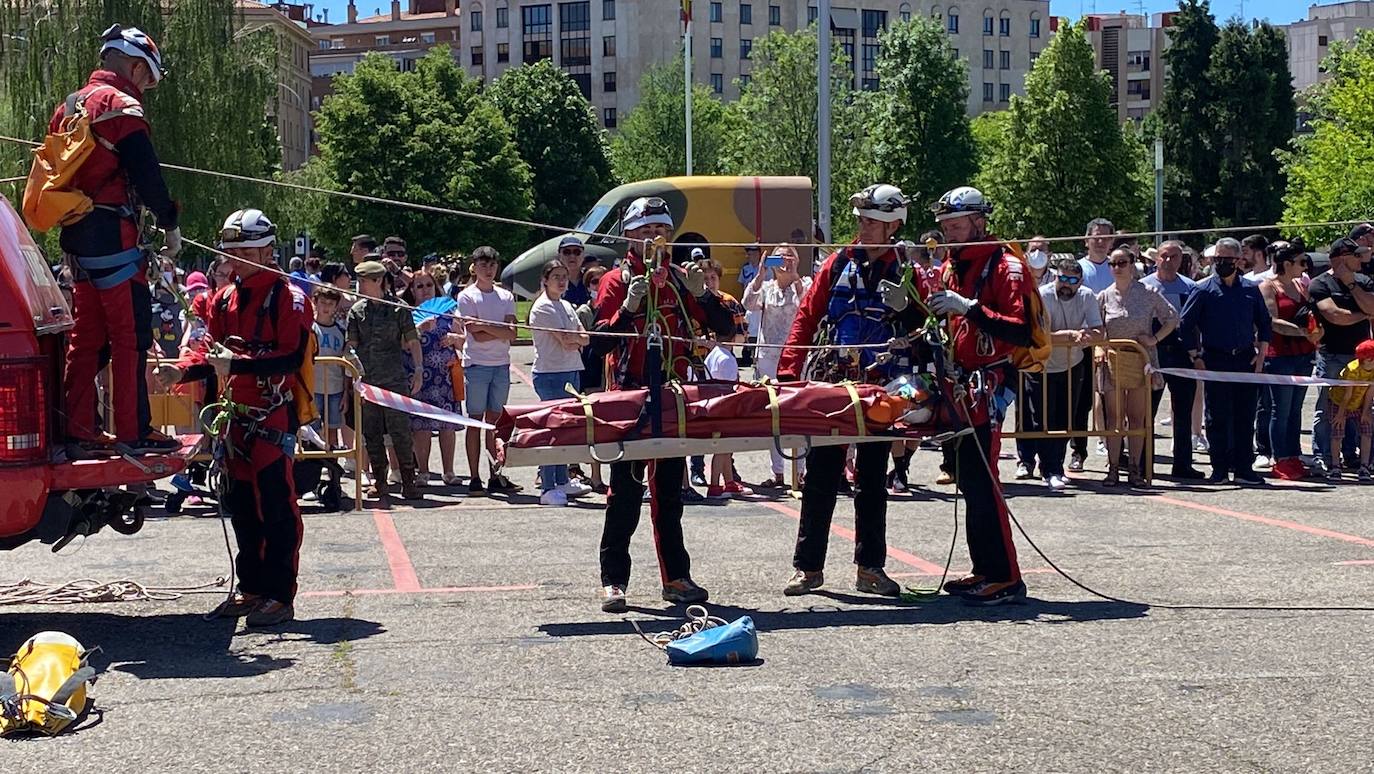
(773, 261)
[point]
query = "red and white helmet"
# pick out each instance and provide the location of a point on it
(131, 41)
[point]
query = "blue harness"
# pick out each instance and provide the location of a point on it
(856, 313)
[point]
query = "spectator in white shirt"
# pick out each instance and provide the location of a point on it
(775, 301)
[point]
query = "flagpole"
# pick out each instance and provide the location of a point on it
(687, 78)
(823, 118)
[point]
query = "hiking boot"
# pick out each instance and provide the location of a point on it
(155, 443)
(236, 606)
(380, 489)
(872, 580)
(990, 593)
(409, 491)
(963, 585)
(683, 591)
(803, 582)
(613, 599)
(270, 613)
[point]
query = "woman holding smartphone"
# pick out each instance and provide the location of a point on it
(776, 301)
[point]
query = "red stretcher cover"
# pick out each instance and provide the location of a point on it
(700, 418)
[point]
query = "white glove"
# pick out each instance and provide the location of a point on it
(695, 280)
(635, 293)
(171, 245)
(949, 302)
(894, 295)
(220, 357)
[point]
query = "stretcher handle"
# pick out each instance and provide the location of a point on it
(777, 444)
(591, 451)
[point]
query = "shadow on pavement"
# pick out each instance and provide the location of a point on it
(178, 646)
(944, 610)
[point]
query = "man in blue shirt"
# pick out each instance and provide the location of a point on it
(1227, 327)
(570, 252)
(1173, 353)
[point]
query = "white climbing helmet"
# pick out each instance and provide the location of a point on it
(247, 228)
(964, 200)
(134, 42)
(880, 201)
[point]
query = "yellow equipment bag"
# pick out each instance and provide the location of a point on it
(46, 687)
(50, 199)
(1034, 357)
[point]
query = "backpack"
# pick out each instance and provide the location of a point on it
(1031, 359)
(46, 685)
(50, 196)
(303, 393)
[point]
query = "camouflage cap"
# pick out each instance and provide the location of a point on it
(369, 269)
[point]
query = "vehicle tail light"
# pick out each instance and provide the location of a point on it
(23, 413)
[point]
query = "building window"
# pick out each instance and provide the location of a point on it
(987, 92)
(952, 23)
(326, 45)
(717, 48)
(904, 11)
(607, 10)
(427, 37)
(608, 117)
(746, 13)
(1321, 41)
(476, 56)
(775, 16)
(743, 81)
(715, 12)
(608, 82)
(746, 48)
(382, 40)
(575, 52)
(407, 65)
(1004, 26)
(537, 27)
(584, 83)
(870, 57)
(1034, 56)
(1004, 62)
(717, 83)
(987, 59)
(608, 45)
(1004, 92)
(869, 84)
(1138, 89)
(575, 17)
(874, 21)
(812, 13)
(502, 52)
(476, 21)
(987, 25)
(1035, 28)
(502, 17)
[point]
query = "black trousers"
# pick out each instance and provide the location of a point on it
(1083, 394)
(268, 529)
(1230, 411)
(824, 467)
(1053, 412)
(623, 502)
(987, 526)
(1182, 392)
(1266, 410)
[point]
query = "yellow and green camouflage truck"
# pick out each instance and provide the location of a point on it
(706, 210)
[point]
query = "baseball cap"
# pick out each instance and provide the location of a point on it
(369, 268)
(698, 253)
(569, 241)
(1345, 246)
(1364, 229)
(196, 280)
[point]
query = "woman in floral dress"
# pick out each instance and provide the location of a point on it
(440, 340)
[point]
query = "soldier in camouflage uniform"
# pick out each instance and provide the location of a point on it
(379, 333)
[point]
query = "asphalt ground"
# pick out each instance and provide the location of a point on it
(464, 634)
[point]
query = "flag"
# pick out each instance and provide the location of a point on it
(686, 11)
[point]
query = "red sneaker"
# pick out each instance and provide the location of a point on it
(1290, 469)
(736, 489)
(714, 492)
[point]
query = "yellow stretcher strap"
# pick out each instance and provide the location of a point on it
(773, 406)
(586, 411)
(858, 408)
(681, 398)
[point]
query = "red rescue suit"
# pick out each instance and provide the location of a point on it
(261, 496)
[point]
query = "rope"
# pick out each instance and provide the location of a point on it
(698, 620)
(87, 590)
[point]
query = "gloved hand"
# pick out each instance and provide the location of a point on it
(894, 295)
(635, 293)
(695, 280)
(171, 246)
(220, 357)
(949, 302)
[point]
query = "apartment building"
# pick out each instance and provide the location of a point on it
(291, 109)
(1130, 47)
(1309, 41)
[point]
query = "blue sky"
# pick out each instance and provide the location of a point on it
(1276, 11)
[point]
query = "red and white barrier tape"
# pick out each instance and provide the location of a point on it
(405, 403)
(1247, 377)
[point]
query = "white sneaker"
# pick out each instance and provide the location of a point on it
(1166, 421)
(347, 465)
(1101, 448)
(1200, 444)
(553, 497)
(393, 476)
(1055, 483)
(1264, 463)
(574, 489)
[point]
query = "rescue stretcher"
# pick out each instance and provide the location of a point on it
(715, 418)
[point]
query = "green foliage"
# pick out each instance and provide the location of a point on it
(778, 132)
(558, 135)
(1191, 171)
(427, 136)
(1328, 171)
(210, 112)
(1065, 159)
(921, 139)
(989, 132)
(653, 137)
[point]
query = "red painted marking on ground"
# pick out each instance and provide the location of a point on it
(524, 377)
(445, 590)
(848, 534)
(1356, 562)
(402, 571)
(1269, 520)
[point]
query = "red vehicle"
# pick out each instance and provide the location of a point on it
(43, 496)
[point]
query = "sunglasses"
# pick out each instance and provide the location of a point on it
(1118, 264)
(1069, 279)
(570, 251)
(420, 286)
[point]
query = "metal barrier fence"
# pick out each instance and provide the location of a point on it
(179, 409)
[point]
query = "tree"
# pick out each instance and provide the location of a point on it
(778, 132)
(1328, 170)
(209, 113)
(922, 142)
(653, 138)
(1191, 173)
(558, 135)
(427, 136)
(1065, 159)
(989, 132)
(1251, 116)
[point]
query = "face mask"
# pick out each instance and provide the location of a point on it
(1225, 269)
(1037, 259)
